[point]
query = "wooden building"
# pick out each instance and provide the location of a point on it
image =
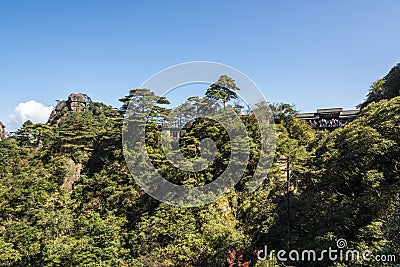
(328, 118)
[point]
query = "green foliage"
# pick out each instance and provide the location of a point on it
(385, 88)
(354, 186)
(224, 90)
(68, 199)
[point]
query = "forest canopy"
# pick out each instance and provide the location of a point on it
(67, 197)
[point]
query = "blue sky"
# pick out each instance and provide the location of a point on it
(313, 54)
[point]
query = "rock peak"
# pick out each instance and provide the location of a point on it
(76, 102)
(3, 133)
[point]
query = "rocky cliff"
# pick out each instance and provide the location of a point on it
(75, 103)
(3, 133)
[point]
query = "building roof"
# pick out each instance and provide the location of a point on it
(331, 112)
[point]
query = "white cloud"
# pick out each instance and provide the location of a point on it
(31, 110)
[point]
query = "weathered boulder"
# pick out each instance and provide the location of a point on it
(3, 133)
(75, 103)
